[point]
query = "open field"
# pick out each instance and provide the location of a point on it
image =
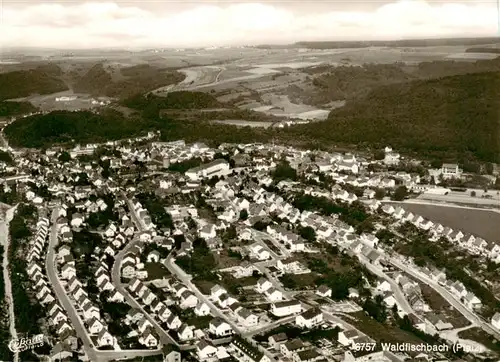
(478, 222)
(244, 123)
(466, 198)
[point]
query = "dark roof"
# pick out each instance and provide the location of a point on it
(279, 337)
(294, 344)
(308, 354)
(169, 348)
(311, 313)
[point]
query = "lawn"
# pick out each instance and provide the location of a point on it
(204, 286)
(156, 271)
(478, 335)
(299, 281)
(439, 304)
(481, 223)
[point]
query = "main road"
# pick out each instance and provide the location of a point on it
(467, 313)
(91, 351)
(398, 293)
(51, 270)
(116, 280)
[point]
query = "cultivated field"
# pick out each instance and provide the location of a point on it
(481, 223)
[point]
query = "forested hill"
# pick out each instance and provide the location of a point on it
(23, 83)
(45, 130)
(456, 116)
(142, 78)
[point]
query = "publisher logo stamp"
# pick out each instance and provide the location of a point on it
(23, 344)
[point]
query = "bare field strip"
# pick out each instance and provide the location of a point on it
(483, 223)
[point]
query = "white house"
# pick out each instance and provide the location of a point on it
(495, 320)
(205, 350)
(202, 309)
(263, 285)
(282, 309)
(324, 291)
(247, 318)
(185, 333)
(310, 318)
(104, 338)
(95, 326)
(219, 328)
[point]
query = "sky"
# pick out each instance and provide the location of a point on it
(73, 24)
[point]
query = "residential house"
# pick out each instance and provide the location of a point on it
(104, 338)
(324, 291)
(201, 309)
(245, 351)
(95, 326)
(310, 318)
(205, 350)
(348, 337)
(495, 321)
(219, 328)
(247, 318)
(282, 309)
(148, 339)
(276, 340)
(185, 332)
(288, 349)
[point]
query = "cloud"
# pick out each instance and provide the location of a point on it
(108, 24)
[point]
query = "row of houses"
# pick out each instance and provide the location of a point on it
(58, 318)
(475, 245)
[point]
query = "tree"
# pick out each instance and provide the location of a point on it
(380, 194)
(379, 155)
(243, 214)
(64, 157)
(284, 172)
(308, 233)
(260, 225)
(400, 193)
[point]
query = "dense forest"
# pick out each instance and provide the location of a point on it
(67, 127)
(131, 80)
(23, 83)
(455, 116)
(333, 83)
(8, 108)
(150, 105)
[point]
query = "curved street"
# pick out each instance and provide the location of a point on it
(470, 315)
(116, 281)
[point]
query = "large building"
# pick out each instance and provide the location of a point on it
(451, 170)
(217, 167)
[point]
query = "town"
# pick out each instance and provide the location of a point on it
(166, 251)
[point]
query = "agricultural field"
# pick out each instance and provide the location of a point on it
(483, 223)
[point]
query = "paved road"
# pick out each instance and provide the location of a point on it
(116, 280)
(5, 241)
(184, 278)
(61, 295)
(398, 293)
(271, 326)
(470, 315)
(261, 236)
(122, 288)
